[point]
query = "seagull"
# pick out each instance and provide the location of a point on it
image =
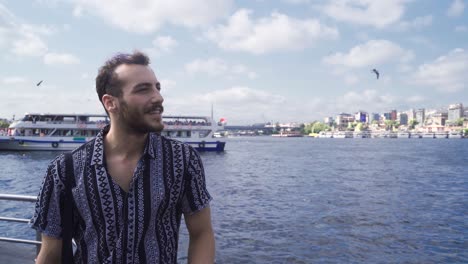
(39, 83)
(376, 73)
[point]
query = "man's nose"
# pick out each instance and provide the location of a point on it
(157, 97)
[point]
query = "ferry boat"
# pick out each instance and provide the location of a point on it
(325, 134)
(428, 135)
(455, 134)
(440, 135)
(343, 134)
(288, 134)
(64, 132)
(403, 134)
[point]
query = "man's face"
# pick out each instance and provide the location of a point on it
(140, 106)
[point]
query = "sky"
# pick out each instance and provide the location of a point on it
(254, 61)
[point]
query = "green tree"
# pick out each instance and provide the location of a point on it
(4, 124)
(459, 121)
(413, 123)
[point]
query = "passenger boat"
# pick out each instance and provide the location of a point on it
(403, 134)
(428, 135)
(441, 135)
(288, 134)
(63, 132)
(455, 134)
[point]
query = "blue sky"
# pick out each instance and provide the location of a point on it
(255, 60)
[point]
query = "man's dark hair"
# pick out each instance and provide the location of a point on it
(107, 82)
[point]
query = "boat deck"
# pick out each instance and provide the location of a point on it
(13, 253)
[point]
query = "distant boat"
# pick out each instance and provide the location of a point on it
(68, 131)
(288, 134)
(455, 134)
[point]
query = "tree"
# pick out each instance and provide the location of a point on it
(413, 123)
(459, 121)
(4, 124)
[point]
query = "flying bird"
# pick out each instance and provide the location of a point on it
(39, 83)
(376, 73)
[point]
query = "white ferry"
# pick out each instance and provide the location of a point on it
(288, 134)
(455, 134)
(198, 131)
(428, 135)
(403, 134)
(441, 135)
(68, 131)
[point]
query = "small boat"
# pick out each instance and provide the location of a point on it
(455, 134)
(427, 135)
(441, 135)
(288, 134)
(403, 134)
(64, 132)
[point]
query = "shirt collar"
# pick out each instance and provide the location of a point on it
(98, 150)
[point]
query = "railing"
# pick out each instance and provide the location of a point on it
(20, 198)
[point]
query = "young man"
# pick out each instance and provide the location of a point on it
(131, 184)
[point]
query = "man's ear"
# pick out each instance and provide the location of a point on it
(110, 103)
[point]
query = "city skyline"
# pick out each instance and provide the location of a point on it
(254, 61)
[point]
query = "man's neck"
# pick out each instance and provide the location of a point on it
(119, 142)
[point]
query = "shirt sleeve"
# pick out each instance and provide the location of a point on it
(196, 196)
(47, 217)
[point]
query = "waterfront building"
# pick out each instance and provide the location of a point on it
(361, 116)
(374, 116)
(328, 121)
(393, 115)
(438, 118)
(387, 116)
(455, 112)
(403, 118)
(420, 116)
(411, 114)
(343, 119)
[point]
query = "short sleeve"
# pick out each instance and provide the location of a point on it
(195, 196)
(47, 219)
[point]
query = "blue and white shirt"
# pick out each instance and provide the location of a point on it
(112, 226)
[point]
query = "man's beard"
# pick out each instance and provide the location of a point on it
(134, 120)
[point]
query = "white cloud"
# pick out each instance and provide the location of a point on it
(167, 85)
(161, 45)
(60, 58)
(415, 99)
(370, 98)
(13, 80)
(20, 38)
(268, 34)
(143, 16)
(240, 105)
(237, 96)
(461, 29)
(447, 73)
(351, 79)
(373, 52)
(296, 2)
(456, 8)
(217, 67)
(77, 11)
(417, 23)
(379, 14)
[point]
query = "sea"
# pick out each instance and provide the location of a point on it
(309, 200)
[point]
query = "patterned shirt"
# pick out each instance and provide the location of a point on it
(113, 226)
